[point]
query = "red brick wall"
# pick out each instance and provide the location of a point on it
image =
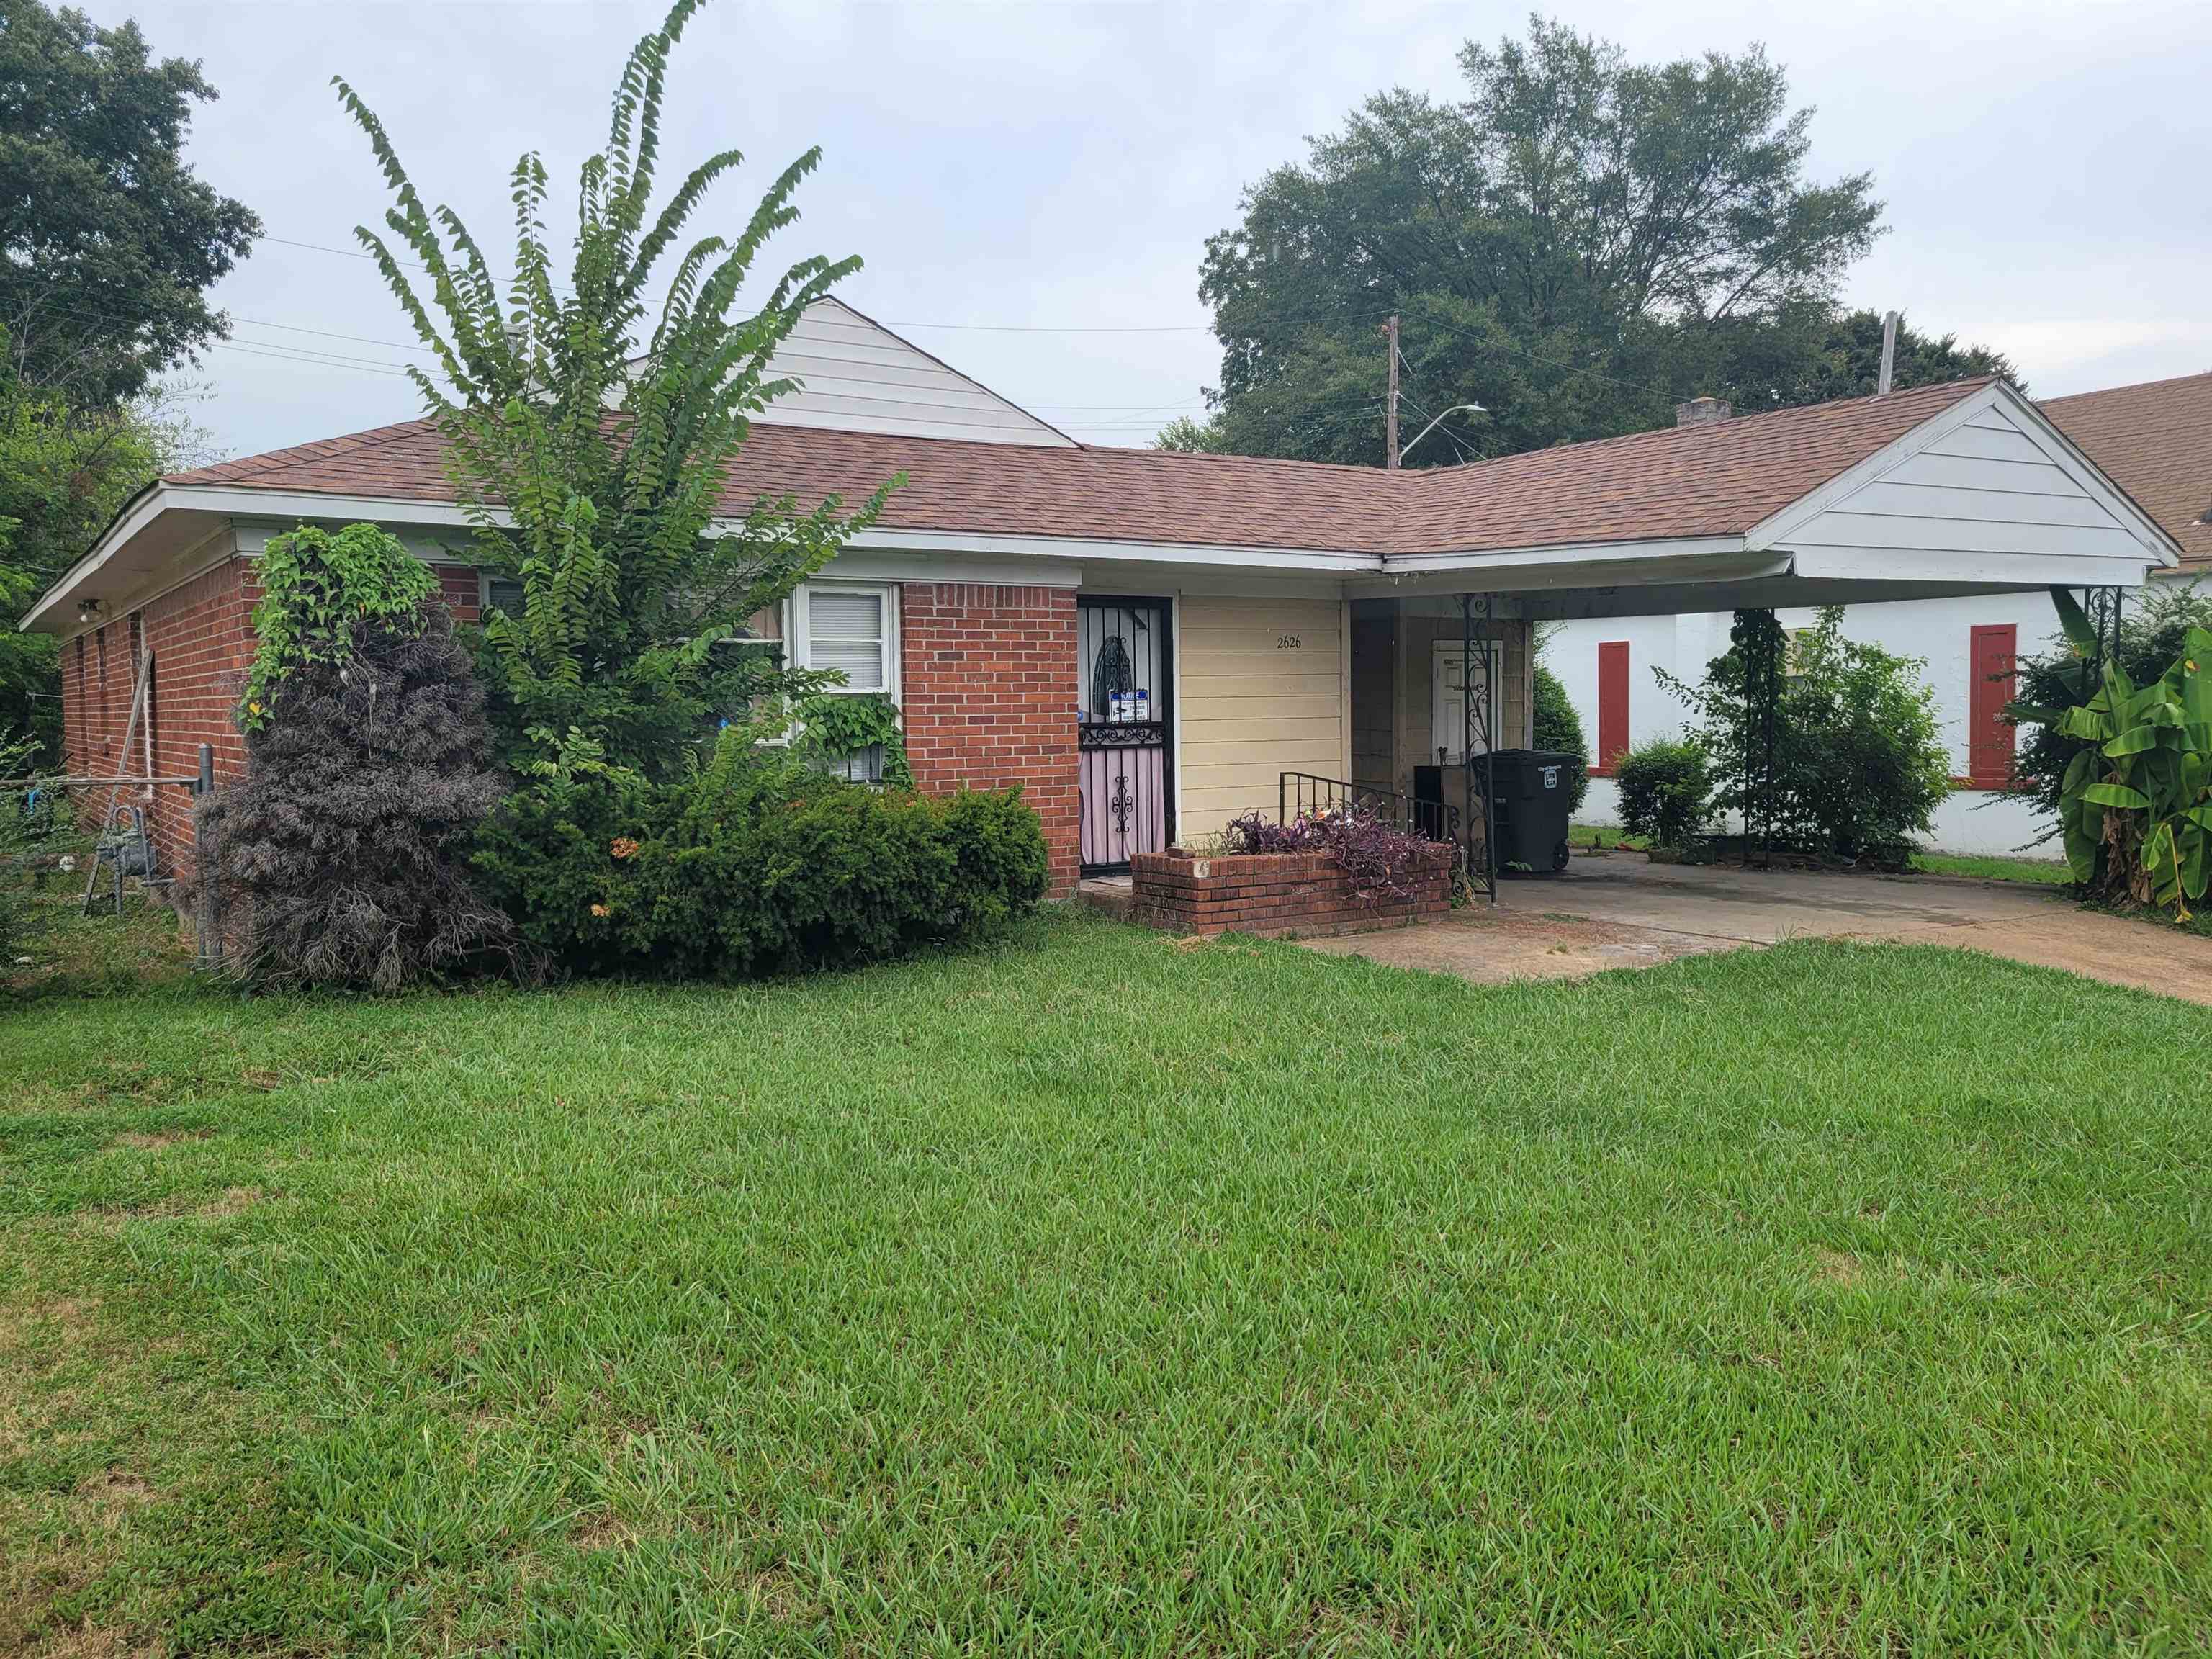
(1276, 893)
(76, 680)
(460, 586)
(988, 676)
(987, 692)
(201, 637)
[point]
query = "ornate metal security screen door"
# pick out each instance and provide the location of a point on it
(1123, 738)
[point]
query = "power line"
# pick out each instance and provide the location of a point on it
(347, 252)
(1326, 314)
(332, 334)
(284, 357)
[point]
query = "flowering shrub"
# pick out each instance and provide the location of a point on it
(1378, 858)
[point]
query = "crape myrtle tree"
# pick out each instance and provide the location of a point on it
(588, 435)
(1576, 243)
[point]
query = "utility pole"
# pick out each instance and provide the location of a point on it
(1888, 352)
(1390, 414)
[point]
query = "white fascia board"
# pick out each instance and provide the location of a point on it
(281, 506)
(2020, 571)
(867, 565)
(295, 506)
(1776, 528)
(267, 504)
(1120, 552)
(1656, 551)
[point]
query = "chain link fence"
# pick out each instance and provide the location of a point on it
(97, 845)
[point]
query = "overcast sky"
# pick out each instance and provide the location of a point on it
(1059, 167)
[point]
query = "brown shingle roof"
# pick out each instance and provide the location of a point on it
(1717, 479)
(1712, 480)
(2154, 441)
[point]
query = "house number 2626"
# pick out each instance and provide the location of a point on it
(1289, 642)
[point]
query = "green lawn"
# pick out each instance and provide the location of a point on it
(1984, 868)
(1107, 1294)
(1990, 867)
(1605, 835)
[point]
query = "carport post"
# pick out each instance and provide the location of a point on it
(1477, 716)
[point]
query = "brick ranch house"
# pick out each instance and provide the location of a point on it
(1146, 641)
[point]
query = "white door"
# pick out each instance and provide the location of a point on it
(1446, 706)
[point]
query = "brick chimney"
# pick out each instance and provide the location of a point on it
(1701, 411)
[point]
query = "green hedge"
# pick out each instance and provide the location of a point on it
(605, 874)
(1560, 728)
(1666, 786)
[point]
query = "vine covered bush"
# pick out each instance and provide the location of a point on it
(756, 863)
(320, 594)
(1666, 786)
(340, 857)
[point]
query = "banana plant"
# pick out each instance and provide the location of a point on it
(2136, 804)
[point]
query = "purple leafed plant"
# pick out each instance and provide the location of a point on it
(1379, 860)
(1255, 833)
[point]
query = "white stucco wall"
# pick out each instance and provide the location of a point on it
(1937, 631)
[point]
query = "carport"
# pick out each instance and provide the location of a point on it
(1956, 489)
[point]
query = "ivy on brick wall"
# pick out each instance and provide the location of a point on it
(839, 725)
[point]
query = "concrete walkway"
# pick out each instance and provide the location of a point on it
(1622, 911)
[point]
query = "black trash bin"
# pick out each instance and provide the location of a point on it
(1531, 789)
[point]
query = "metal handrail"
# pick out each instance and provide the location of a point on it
(1305, 794)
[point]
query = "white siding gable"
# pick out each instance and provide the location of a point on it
(1988, 477)
(855, 375)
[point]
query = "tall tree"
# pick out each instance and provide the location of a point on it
(1576, 244)
(590, 448)
(110, 241)
(63, 472)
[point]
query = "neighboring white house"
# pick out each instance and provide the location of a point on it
(2154, 440)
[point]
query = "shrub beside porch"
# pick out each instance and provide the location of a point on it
(1273, 893)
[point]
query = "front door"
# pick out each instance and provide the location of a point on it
(1124, 731)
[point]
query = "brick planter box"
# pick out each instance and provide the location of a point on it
(1276, 893)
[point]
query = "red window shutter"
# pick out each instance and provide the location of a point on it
(1991, 660)
(1612, 703)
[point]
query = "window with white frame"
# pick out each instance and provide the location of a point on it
(852, 627)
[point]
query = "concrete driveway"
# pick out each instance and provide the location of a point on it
(1622, 911)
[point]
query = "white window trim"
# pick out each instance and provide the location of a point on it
(799, 633)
